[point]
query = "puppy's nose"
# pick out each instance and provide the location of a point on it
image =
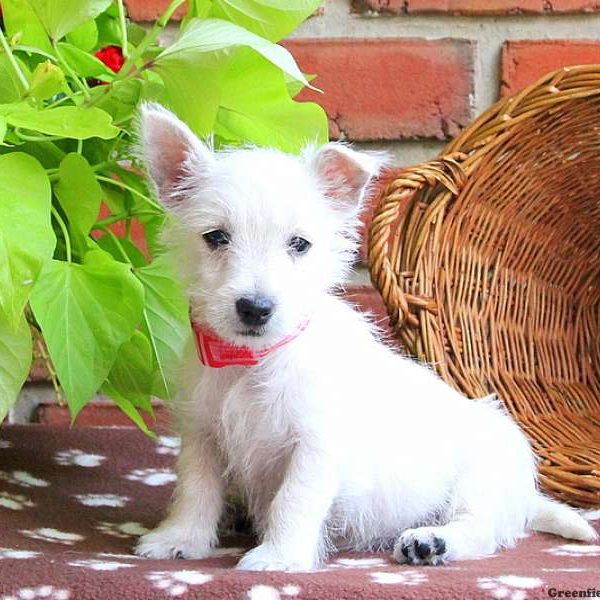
(255, 311)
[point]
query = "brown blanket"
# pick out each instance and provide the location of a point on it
(72, 503)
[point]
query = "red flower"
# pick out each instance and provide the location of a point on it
(112, 57)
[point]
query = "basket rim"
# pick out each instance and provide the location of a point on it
(410, 212)
(546, 93)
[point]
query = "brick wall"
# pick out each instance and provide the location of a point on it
(406, 75)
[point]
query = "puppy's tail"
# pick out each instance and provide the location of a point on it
(560, 519)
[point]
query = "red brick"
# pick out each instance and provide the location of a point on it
(97, 414)
(477, 7)
(150, 10)
(523, 62)
(385, 89)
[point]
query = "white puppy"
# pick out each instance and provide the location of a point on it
(334, 439)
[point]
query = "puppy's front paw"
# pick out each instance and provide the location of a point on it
(170, 543)
(421, 546)
(266, 558)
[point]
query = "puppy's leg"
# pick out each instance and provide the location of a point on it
(293, 535)
(190, 529)
(467, 536)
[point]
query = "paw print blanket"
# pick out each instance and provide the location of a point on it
(72, 503)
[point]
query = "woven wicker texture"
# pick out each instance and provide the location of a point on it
(488, 261)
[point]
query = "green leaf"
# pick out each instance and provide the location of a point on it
(85, 36)
(66, 121)
(46, 81)
(114, 198)
(78, 192)
(205, 36)
(121, 103)
(11, 88)
(21, 20)
(86, 313)
(166, 320)
(26, 236)
(203, 83)
(109, 31)
(131, 375)
(264, 113)
(134, 256)
(16, 355)
(60, 17)
(271, 19)
(2, 129)
(152, 228)
(85, 64)
(128, 408)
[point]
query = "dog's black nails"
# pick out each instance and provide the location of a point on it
(439, 545)
(422, 550)
(179, 554)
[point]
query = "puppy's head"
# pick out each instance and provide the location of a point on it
(259, 235)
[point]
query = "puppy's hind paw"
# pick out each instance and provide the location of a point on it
(421, 546)
(168, 543)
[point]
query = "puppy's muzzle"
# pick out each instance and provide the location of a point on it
(255, 311)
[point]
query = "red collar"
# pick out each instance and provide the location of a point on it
(216, 352)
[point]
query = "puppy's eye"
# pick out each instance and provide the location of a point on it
(216, 238)
(299, 245)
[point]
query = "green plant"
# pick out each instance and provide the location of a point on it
(112, 319)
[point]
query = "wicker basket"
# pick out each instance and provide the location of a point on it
(488, 261)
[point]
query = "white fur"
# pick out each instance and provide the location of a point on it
(335, 440)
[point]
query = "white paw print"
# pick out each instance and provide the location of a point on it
(15, 501)
(399, 577)
(358, 563)
(78, 458)
(268, 592)
(575, 550)
(176, 583)
(152, 477)
(5, 444)
(23, 479)
(100, 565)
(511, 587)
(168, 444)
(15, 554)
(102, 499)
(47, 534)
(43, 591)
(122, 530)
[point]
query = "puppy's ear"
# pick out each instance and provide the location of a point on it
(344, 174)
(176, 160)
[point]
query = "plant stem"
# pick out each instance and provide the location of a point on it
(123, 24)
(48, 362)
(13, 61)
(149, 39)
(64, 99)
(118, 244)
(63, 63)
(36, 138)
(122, 216)
(124, 186)
(64, 230)
(129, 68)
